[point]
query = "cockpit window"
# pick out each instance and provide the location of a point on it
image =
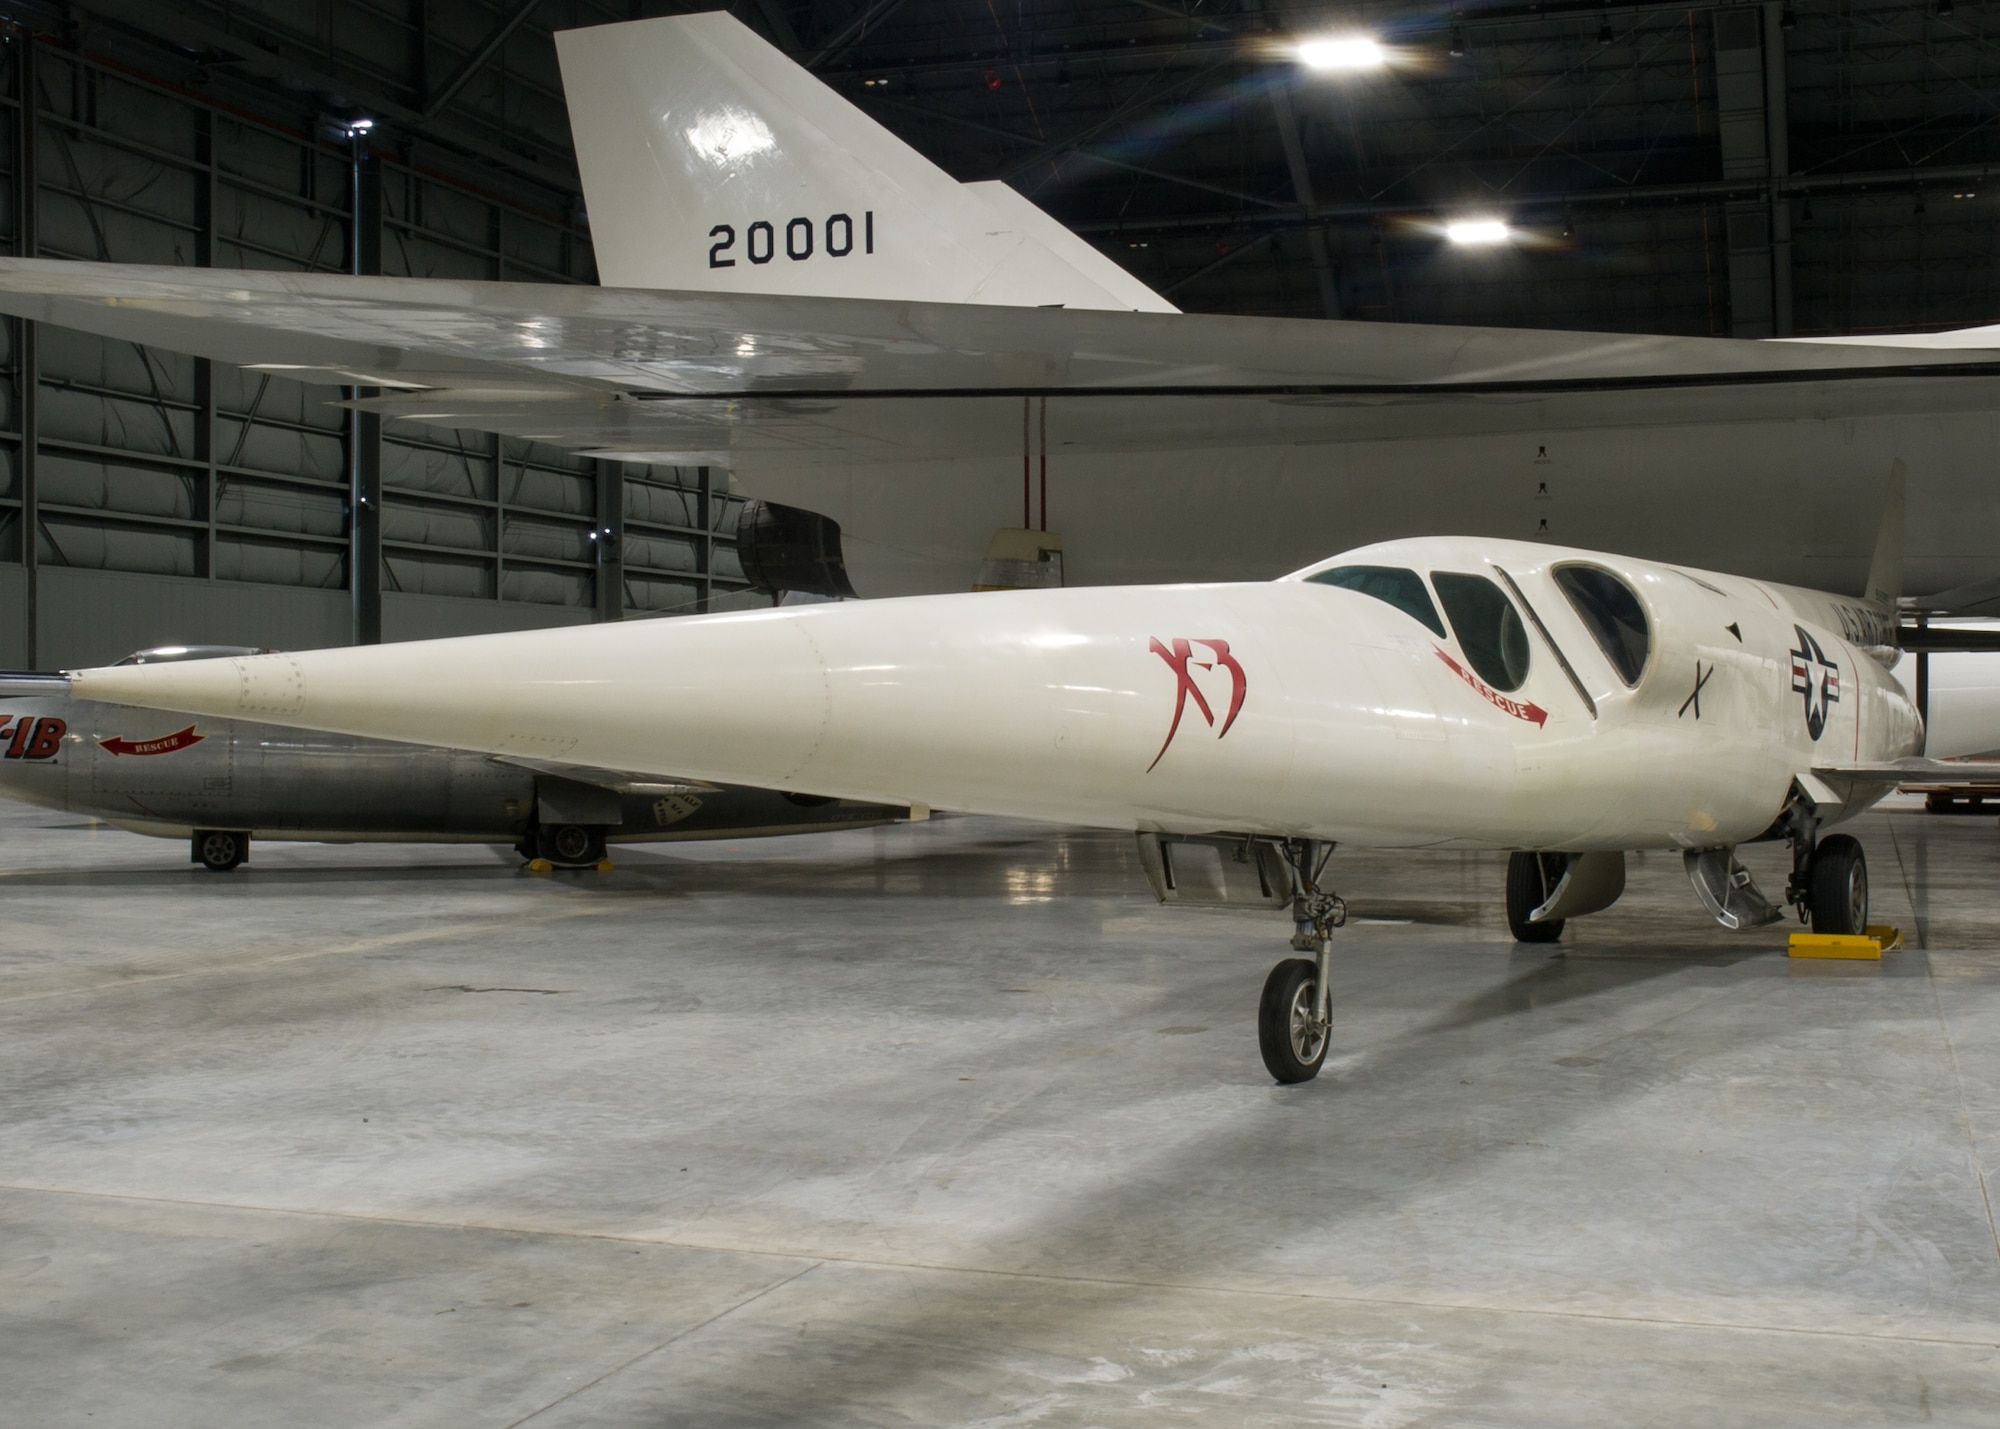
(165, 654)
(1613, 614)
(1489, 629)
(1400, 588)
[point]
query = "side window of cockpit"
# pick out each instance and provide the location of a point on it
(1488, 628)
(1612, 612)
(1400, 588)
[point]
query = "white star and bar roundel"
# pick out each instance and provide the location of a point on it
(1817, 678)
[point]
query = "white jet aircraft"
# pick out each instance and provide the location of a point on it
(1437, 692)
(949, 377)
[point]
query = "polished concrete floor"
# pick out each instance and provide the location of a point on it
(951, 1125)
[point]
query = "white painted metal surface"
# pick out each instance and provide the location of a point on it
(1288, 707)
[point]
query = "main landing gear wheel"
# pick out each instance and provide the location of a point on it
(219, 850)
(1531, 878)
(570, 845)
(1291, 1028)
(1839, 887)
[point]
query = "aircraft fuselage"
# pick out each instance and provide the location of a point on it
(1289, 707)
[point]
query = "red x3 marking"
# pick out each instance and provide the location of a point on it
(1178, 658)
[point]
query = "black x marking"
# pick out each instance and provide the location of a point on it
(1700, 679)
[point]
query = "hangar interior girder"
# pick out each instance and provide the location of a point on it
(146, 463)
(1746, 167)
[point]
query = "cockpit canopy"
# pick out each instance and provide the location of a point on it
(1488, 628)
(1611, 612)
(168, 654)
(1401, 588)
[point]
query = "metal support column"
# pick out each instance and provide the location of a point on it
(204, 373)
(1777, 128)
(609, 539)
(1752, 127)
(27, 358)
(364, 429)
(704, 549)
(1302, 189)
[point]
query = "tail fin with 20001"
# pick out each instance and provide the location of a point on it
(711, 162)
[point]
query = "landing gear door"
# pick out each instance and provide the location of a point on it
(1216, 871)
(570, 801)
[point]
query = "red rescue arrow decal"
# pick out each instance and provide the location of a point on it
(165, 744)
(1527, 710)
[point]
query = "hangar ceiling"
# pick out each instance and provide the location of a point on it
(1732, 168)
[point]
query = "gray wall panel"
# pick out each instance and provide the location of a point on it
(93, 617)
(425, 617)
(13, 618)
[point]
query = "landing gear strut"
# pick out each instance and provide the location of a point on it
(1295, 1016)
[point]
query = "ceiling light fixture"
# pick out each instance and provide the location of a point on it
(1477, 232)
(1349, 52)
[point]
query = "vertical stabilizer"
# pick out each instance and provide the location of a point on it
(1885, 572)
(711, 162)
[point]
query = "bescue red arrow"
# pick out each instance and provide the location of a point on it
(165, 744)
(1520, 709)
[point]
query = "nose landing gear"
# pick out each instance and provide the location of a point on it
(1295, 1015)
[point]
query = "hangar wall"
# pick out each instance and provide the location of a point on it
(172, 499)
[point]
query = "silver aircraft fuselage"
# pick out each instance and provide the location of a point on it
(170, 775)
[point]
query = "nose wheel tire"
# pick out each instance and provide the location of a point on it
(1290, 1032)
(1531, 878)
(1839, 886)
(219, 850)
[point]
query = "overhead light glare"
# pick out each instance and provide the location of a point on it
(1475, 232)
(1348, 52)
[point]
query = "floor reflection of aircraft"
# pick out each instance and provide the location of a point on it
(222, 782)
(1437, 692)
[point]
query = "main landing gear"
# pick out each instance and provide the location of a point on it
(219, 850)
(1828, 886)
(1295, 1017)
(1829, 882)
(564, 845)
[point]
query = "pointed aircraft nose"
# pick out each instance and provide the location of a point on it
(272, 685)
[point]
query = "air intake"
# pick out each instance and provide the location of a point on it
(784, 548)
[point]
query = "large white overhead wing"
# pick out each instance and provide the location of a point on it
(664, 346)
(848, 329)
(1180, 445)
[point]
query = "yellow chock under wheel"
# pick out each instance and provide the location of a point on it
(605, 865)
(540, 865)
(1864, 947)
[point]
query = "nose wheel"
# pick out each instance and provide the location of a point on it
(1292, 1021)
(1295, 1015)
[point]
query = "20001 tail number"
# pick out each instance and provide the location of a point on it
(803, 238)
